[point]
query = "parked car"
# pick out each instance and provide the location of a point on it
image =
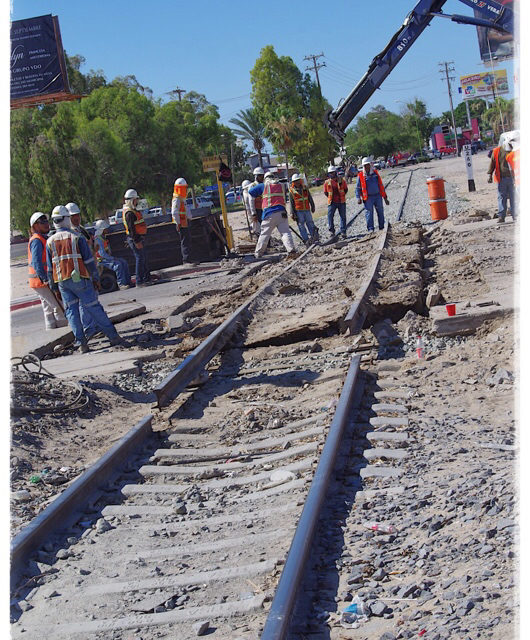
(447, 151)
(316, 182)
(232, 198)
(201, 202)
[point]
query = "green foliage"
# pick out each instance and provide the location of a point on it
(291, 110)
(249, 127)
(117, 137)
(380, 133)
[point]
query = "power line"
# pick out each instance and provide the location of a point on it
(316, 67)
(177, 91)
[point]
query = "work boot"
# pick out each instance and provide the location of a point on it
(499, 220)
(343, 235)
(292, 255)
(83, 347)
(117, 341)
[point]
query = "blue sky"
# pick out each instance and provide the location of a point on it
(203, 47)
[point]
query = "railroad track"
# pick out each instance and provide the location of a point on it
(193, 529)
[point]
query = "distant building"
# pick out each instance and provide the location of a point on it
(253, 160)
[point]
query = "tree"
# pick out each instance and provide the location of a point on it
(249, 127)
(283, 131)
(419, 122)
(379, 133)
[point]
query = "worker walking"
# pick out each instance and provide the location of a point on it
(274, 214)
(180, 217)
(136, 230)
(71, 269)
(500, 168)
(371, 191)
(104, 256)
(38, 272)
(302, 206)
(336, 189)
(256, 207)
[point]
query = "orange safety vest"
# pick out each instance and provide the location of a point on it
(34, 280)
(364, 191)
(139, 224)
(64, 247)
(513, 160)
(341, 185)
(183, 218)
(257, 200)
(273, 195)
(497, 167)
(301, 198)
(99, 258)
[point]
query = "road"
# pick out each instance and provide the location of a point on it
(18, 250)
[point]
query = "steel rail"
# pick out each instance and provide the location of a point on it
(402, 205)
(278, 619)
(354, 319)
(178, 379)
(59, 514)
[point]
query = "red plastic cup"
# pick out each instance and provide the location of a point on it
(451, 309)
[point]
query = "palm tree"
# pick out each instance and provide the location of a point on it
(250, 128)
(285, 130)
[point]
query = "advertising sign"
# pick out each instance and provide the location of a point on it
(501, 45)
(482, 85)
(211, 163)
(37, 58)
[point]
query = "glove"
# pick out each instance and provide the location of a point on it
(386, 201)
(294, 217)
(139, 245)
(490, 178)
(359, 201)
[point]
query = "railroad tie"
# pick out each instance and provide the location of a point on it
(389, 408)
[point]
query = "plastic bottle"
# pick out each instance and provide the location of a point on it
(380, 528)
(420, 347)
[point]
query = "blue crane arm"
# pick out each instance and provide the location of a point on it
(497, 17)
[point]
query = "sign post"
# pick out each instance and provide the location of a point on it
(469, 167)
(211, 163)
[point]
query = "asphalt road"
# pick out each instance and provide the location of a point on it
(18, 250)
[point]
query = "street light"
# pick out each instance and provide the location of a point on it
(417, 126)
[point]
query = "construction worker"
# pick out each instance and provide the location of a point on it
(38, 272)
(336, 190)
(255, 202)
(136, 231)
(75, 221)
(274, 214)
(104, 257)
(513, 161)
(180, 217)
(500, 167)
(302, 206)
(371, 191)
(254, 226)
(71, 270)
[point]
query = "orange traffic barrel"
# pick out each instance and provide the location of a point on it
(438, 209)
(435, 184)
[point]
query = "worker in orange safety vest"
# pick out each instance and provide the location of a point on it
(180, 218)
(371, 191)
(38, 272)
(500, 168)
(302, 206)
(336, 189)
(136, 230)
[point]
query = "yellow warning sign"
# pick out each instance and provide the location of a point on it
(211, 163)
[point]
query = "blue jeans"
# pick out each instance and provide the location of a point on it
(369, 204)
(140, 256)
(120, 268)
(505, 192)
(185, 244)
(306, 225)
(341, 206)
(83, 292)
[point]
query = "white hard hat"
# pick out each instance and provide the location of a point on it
(101, 225)
(258, 171)
(72, 208)
(331, 169)
(181, 182)
(296, 176)
(60, 211)
(130, 194)
(269, 174)
(245, 184)
(366, 161)
(36, 216)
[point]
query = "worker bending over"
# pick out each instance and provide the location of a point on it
(71, 269)
(274, 214)
(256, 208)
(371, 191)
(38, 272)
(302, 206)
(104, 256)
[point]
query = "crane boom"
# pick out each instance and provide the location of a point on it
(497, 17)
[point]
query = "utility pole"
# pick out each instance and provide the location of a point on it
(315, 66)
(178, 91)
(445, 69)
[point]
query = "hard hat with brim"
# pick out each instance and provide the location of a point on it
(258, 171)
(60, 211)
(366, 161)
(331, 169)
(36, 217)
(295, 177)
(72, 208)
(269, 174)
(130, 194)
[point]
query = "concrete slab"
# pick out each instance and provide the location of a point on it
(388, 407)
(382, 421)
(469, 315)
(380, 452)
(388, 436)
(101, 362)
(373, 471)
(43, 342)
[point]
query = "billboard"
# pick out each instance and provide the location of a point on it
(37, 58)
(482, 85)
(501, 45)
